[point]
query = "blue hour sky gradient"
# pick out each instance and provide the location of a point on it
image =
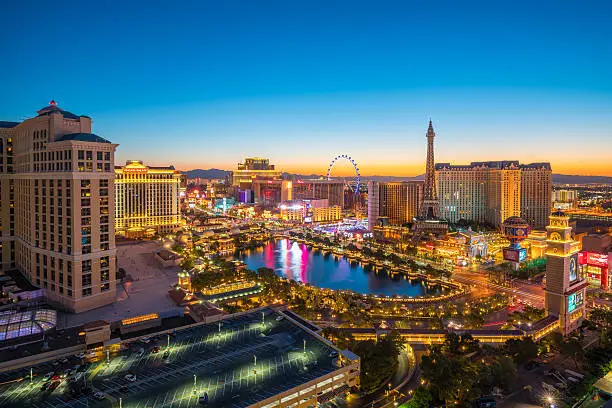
(206, 83)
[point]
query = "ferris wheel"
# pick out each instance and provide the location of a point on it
(352, 184)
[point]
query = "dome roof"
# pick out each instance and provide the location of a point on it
(558, 213)
(53, 108)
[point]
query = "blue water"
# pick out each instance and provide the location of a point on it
(296, 261)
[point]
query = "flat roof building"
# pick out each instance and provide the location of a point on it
(147, 199)
(490, 192)
(260, 358)
(398, 203)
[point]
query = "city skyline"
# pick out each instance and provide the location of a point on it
(208, 85)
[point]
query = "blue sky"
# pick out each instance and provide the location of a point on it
(205, 83)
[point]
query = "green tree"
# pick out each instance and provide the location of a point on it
(522, 350)
(421, 399)
(573, 349)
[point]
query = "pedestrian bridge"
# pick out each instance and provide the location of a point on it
(436, 336)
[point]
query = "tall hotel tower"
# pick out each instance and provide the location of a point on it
(56, 207)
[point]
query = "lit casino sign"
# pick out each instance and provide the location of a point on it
(593, 259)
(135, 170)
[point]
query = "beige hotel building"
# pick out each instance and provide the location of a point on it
(56, 201)
(493, 191)
(147, 200)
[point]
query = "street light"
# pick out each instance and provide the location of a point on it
(255, 360)
(168, 340)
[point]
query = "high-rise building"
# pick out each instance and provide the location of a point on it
(536, 193)
(56, 207)
(398, 202)
(147, 199)
(565, 293)
(253, 168)
(269, 193)
(332, 190)
(491, 192)
(504, 192)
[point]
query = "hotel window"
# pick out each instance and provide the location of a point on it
(86, 292)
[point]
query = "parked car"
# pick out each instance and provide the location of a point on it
(99, 396)
(155, 349)
(130, 377)
(53, 385)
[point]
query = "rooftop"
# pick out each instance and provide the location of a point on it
(82, 137)
(244, 359)
(5, 124)
(53, 108)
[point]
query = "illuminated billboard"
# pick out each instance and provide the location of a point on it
(515, 254)
(593, 259)
(574, 301)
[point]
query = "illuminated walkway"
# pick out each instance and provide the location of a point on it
(435, 336)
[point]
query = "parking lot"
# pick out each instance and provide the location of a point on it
(233, 363)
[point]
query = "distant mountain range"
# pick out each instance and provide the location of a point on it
(206, 174)
(572, 179)
(556, 178)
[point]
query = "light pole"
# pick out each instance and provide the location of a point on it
(219, 327)
(304, 346)
(120, 402)
(263, 315)
(254, 360)
(31, 375)
(107, 356)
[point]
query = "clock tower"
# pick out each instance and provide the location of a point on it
(565, 289)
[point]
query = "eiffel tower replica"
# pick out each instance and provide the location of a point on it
(428, 223)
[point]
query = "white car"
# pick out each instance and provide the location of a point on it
(99, 396)
(130, 377)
